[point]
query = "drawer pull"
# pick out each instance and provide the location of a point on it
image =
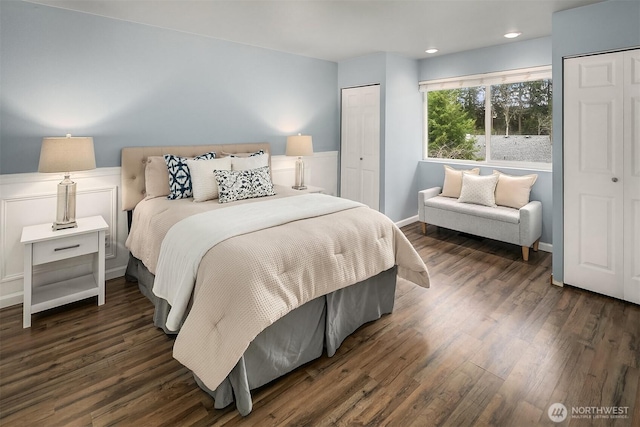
(67, 247)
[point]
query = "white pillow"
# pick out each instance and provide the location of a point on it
(203, 178)
(478, 189)
(251, 162)
(513, 191)
(453, 180)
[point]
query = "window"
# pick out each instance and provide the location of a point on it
(494, 117)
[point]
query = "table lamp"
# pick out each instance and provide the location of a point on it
(299, 145)
(66, 154)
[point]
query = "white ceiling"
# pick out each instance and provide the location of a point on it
(337, 30)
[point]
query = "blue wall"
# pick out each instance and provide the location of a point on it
(403, 138)
(528, 53)
(365, 71)
(400, 125)
(600, 27)
(128, 84)
(509, 56)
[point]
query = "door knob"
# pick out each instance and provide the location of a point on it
(614, 179)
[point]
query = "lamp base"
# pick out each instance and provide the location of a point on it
(63, 225)
(299, 184)
(66, 209)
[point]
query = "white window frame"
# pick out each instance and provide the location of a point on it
(486, 80)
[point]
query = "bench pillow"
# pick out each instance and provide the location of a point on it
(513, 191)
(479, 190)
(453, 180)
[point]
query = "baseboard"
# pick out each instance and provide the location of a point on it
(11, 299)
(545, 247)
(407, 221)
(114, 273)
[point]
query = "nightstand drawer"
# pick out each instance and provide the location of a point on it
(63, 248)
(43, 245)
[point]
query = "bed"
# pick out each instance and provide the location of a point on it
(257, 287)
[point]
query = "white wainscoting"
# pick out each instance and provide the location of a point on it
(30, 198)
(321, 170)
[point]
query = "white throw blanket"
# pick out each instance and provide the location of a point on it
(190, 239)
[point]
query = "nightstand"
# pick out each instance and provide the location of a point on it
(43, 245)
(312, 189)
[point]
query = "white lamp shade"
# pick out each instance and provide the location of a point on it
(66, 154)
(299, 145)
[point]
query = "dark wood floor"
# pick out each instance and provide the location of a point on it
(490, 343)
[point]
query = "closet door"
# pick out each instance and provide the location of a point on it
(594, 173)
(632, 176)
(602, 173)
(360, 145)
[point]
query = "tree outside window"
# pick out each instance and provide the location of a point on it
(505, 122)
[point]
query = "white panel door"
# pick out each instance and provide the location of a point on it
(632, 176)
(593, 173)
(360, 145)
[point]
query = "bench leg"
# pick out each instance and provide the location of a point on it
(535, 245)
(525, 253)
(424, 227)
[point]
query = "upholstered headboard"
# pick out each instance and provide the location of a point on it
(134, 160)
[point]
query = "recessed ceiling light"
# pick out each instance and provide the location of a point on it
(512, 35)
(432, 50)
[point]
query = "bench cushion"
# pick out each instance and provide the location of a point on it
(499, 213)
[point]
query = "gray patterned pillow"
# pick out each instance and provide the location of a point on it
(478, 189)
(245, 184)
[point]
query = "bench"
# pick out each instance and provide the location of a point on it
(521, 227)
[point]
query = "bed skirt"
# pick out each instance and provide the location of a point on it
(297, 338)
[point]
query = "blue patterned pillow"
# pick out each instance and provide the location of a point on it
(244, 184)
(179, 176)
(257, 153)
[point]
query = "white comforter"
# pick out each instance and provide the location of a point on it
(190, 239)
(247, 282)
